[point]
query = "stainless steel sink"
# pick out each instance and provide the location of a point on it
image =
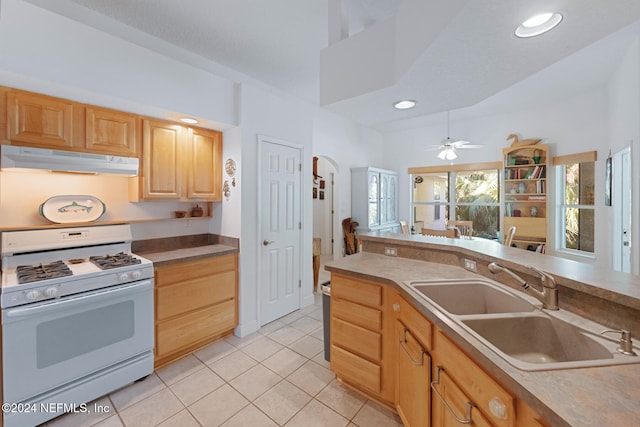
(464, 297)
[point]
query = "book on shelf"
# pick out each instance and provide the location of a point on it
(533, 197)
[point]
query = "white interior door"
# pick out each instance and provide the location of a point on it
(621, 202)
(280, 227)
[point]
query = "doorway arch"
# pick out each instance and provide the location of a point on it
(326, 224)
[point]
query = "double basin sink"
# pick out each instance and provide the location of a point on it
(515, 326)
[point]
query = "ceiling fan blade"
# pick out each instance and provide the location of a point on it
(432, 147)
(471, 146)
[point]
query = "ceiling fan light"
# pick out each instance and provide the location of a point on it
(451, 154)
(442, 154)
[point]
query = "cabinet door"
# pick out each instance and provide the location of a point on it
(161, 160)
(111, 132)
(451, 407)
(203, 165)
(39, 120)
(388, 198)
(413, 379)
(374, 199)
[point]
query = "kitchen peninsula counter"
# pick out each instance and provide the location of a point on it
(593, 396)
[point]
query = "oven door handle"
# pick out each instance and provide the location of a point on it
(55, 304)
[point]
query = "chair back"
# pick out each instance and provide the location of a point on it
(508, 238)
(404, 227)
(439, 233)
(465, 228)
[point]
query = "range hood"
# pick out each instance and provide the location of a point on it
(13, 156)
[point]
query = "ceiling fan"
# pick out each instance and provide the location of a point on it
(448, 146)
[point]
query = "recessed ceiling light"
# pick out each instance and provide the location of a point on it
(405, 105)
(538, 24)
(188, 120)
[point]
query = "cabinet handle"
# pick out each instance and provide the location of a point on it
(406, 351)
(470, 404)
(396, 307)
(497, 408)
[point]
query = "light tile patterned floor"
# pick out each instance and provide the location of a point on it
(275, 377)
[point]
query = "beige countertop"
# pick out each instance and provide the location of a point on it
(187, 254)
(599, 396)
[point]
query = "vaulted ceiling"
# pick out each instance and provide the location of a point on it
(445, 55)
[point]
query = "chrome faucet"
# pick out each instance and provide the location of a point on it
(549, 294)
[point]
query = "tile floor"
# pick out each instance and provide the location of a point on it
(274, 377)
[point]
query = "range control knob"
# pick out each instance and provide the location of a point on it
(32, 295)
(123, 277)
(50, 292)
(135, 275)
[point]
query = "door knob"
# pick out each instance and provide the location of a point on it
(267, 242)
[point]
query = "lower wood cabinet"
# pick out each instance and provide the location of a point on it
(361, 336)
(384, 347)
(413, 365)
(196, 303)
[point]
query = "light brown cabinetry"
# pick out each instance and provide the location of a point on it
(413, 365)
(35, 120)
(361, 331)
(178, 163)
(525, 195)
(39, 121)
(464, 390)
(196, 303)
(112, 132)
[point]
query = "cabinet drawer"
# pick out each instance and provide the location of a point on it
(195, 293)
(457, 401)
(179, 272)
(356, 369)
(174, 334)
(359, 291)
(356, 339)
(420, 327)
(367, 317)
(477, 384)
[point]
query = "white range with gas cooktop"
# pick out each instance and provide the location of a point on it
(77, 319)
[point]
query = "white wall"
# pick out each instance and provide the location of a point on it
(624, 130)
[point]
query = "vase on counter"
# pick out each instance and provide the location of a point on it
(197, 211)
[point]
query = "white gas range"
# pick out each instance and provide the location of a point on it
(77, 318)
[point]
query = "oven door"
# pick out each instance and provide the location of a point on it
(52, 343)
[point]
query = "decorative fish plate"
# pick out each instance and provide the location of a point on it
(64, 209)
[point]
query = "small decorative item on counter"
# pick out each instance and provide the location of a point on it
(197, 211)
(518, 143)
(180, 214)
(68, 209)
(534, 211)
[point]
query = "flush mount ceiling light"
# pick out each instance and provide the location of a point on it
(538, 24)
(188, 120)
(405, 105)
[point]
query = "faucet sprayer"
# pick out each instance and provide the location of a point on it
(549, 294)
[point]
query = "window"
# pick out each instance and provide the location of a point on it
(462, 195)
(576, 208)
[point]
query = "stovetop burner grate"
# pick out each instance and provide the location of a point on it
(34, 273)
(114, 261)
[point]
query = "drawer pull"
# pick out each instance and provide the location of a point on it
(406, 351)
(470, 404)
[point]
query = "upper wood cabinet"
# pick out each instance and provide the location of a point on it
(204, 165)
(178, 163)
(39, 121)
(42, 121)
(111, 132)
